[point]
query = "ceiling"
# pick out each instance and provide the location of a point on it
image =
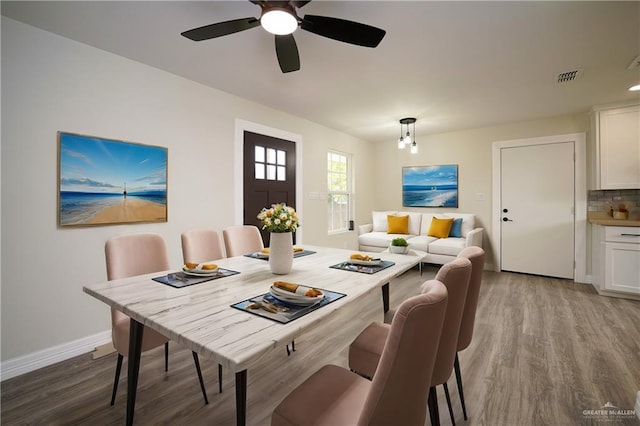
(452, 65)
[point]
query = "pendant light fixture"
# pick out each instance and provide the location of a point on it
(408, 139)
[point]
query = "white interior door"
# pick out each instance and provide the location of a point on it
(538, 209)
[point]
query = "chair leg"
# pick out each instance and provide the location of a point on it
(433, 407)
(166, 356)
(115, 382)
(446, 394)
(456, 366)
(197, 362)
(220, 377)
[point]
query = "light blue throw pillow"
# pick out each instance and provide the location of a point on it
(456, 228)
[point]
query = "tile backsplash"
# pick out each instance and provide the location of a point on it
(603, 200)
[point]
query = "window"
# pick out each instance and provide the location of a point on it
(339, 191)
(270, 164)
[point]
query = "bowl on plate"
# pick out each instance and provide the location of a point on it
(293, 298)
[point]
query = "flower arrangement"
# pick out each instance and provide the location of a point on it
(279, 218)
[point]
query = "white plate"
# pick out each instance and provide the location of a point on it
(200, 272)
(298, 299)
(364, 262)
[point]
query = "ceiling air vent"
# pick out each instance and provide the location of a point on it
(567, 76)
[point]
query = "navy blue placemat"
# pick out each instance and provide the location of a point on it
(180, 279)
(289, 312)
(346, 266)
(295, 254)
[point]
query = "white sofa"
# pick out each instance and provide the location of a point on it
(374, 237)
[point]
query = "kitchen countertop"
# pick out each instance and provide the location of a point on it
(602, 218)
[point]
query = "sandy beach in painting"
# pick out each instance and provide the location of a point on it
(130, 210)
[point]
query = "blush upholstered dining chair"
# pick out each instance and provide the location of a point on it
(201, 245)
(366, 349)
(242, 239)
(476, 257)
(127, 256)
(198, 246)
(336, 396)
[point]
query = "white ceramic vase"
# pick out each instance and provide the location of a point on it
(281, 252)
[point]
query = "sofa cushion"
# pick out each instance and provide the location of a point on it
(456, 228)
(397, 224)
(448, 246)
(420, 242)
(468, 221)
(380, 220)
(414, 222)
(440, 227)
(380, 239)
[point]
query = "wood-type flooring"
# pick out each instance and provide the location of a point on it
(545, 352)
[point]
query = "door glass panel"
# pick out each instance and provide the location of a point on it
(282, 173)
(259, 154)
(259, 171)
(271, 155)
(282, 158)
(271, 172)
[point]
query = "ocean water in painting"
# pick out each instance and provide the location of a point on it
(78, 207)
(433, 196)
(430, 186)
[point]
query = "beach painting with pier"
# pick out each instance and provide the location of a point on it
(108, 182)
(430, 186)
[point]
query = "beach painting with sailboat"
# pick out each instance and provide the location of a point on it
(430, 186)
(107, 182)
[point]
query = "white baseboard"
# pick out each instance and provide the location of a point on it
(33, 361)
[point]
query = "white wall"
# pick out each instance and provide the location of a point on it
(471, 151)
(50, 83)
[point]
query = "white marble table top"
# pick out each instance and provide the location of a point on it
(200, 316)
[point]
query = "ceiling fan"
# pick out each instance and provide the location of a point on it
(280, 18)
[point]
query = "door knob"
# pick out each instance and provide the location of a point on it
(506, 219)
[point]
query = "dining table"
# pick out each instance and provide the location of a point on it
(202, 317)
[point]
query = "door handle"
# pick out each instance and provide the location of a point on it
(506, 219)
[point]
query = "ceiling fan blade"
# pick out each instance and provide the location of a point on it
(287, 52)
(343, 30)
(221, 29)
(300, 3)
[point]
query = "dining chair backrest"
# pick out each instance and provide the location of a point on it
(455, 276)
(476, 256)
(201, 245)
(130, 255)
(242, 239)
(399, 388)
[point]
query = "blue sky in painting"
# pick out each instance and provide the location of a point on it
(430, 175)
(99, 165)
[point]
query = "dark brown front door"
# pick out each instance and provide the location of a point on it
(269, 176)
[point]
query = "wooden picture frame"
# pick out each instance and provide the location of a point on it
(430, 186)
(110, 182)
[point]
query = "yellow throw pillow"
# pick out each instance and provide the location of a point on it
(398, 224)
(440, 227)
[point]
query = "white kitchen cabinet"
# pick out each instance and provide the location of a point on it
(617, 144)
(616, 259)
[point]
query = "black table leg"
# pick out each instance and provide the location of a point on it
(136, 331)
(241, 397)
(385, 297)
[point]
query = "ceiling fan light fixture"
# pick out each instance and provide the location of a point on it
(278, 21)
